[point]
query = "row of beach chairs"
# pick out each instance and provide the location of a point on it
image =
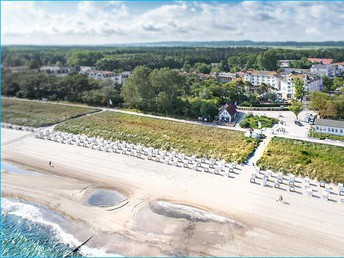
(162, 156)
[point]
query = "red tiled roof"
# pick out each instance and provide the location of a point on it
(321, 60)
(339, 63)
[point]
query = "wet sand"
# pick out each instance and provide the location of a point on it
(136, 226)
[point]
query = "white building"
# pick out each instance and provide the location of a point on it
(324, 69)
(329, 126)
(56, 70)
(224, 77)
(227, 112)
(116, 78)
(311, 83)
(259, 77)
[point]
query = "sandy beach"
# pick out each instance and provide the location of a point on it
(302, 226)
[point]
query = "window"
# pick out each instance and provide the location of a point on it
(317, 127)
(336, 131)
(341, 130)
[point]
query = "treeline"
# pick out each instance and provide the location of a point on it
(328, 106)
(73, 88)
(127, 58)
(161, 91)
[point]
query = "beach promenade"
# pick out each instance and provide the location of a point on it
(299, 226)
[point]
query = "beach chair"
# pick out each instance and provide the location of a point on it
(340, 187)
(265, 182)
(342, 199)
(341, 193)
(277, 185)
(310, 192)
(252, 179)
(322, 184)
(325, 195)
(291, 188)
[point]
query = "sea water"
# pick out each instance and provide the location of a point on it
(27, 232)
(31, 230)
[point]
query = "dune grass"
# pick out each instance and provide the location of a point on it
(37, 114)
(315, 160)
(168, 135)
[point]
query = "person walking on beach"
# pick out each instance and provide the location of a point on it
(280, 198)
(50, 163)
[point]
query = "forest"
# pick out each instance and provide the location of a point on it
(155, 85)
(127, 58)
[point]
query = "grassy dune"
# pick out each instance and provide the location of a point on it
(187, 138)
(315, 160)
(36, 114)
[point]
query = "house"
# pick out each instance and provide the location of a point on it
(339, 67)
(329, 126)
(325, 61)
(116, 78)
(56, 70)
(225, 77)
(324, 69)
(285, 63)
(227, 112)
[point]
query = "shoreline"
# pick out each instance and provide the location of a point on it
(303, 228)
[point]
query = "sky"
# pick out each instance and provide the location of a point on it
(86, 23)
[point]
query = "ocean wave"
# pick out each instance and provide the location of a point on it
(43, 216)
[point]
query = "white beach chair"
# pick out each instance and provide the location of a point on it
(310, 192)
(325, 195)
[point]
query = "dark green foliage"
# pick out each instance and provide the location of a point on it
(252, 121)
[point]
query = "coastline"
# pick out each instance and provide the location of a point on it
(305, 227)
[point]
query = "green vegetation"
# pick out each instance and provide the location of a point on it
(35, 114)
(295, 107)
(251, 121)
(196, 57)
(321, 161)
(327, 136)
(191, 139)
(328, 106)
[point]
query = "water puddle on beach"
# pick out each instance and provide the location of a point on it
(12, 169)
(103, 198)
(187, 229)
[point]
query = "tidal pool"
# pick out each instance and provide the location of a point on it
(12, 169)
(104, 197)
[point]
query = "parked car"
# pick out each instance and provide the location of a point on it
(298, 123)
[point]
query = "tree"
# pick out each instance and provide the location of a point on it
(328, 83)
(167, 85)
(318, 100)
(295, 107)
(138, 91)
(299, 90)
(268, 60)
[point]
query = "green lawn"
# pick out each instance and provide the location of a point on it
(187, 138)
(328, 136)
(36, 114)
(315, 160)
(252, 122)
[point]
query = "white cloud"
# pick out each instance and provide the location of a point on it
(114, 22)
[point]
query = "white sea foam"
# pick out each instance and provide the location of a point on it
(34, 213)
